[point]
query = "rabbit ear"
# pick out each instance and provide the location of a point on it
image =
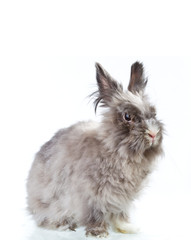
(104, 80)
(107, 86)
(137, 80)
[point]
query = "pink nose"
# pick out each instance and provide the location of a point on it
(152, 135)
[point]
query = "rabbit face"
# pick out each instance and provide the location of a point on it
(142, 130)
(129, 116)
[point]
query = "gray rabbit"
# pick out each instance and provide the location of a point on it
(88, 174)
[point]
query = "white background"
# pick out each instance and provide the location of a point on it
(47, 54)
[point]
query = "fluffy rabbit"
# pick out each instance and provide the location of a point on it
(88, 174)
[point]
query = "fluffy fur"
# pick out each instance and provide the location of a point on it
(88, 174)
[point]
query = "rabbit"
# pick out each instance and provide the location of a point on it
(89, 173)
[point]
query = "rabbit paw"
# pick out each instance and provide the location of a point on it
(96, 232)
(124, 227)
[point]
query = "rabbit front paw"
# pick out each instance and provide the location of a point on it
(96, 232)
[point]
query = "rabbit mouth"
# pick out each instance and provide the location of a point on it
(152, 140)
(152, 132)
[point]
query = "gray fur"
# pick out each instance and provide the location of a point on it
(88, 174)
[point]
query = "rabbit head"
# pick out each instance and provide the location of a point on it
(130, 123)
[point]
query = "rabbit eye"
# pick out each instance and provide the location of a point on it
(127, 117)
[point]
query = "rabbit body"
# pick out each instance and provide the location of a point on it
(88, 174)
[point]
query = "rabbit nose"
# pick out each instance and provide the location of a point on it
(152, 134)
